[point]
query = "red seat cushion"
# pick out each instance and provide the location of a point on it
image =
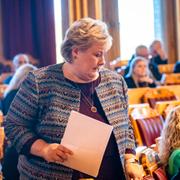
(150, 129)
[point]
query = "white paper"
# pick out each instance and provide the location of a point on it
(87, 138)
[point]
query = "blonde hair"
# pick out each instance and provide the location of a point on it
(18, 77)
(82, 34)
(134, 62)
(170, 135)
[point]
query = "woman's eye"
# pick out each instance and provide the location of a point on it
(98, 54)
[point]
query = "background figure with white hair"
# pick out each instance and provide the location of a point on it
(10, 160)
(18, 61)
(14, 85)
(158, 55)
(169, 148)
(139, 75)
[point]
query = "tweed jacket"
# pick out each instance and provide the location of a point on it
(42, 107)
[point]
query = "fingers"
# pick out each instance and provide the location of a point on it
(62, 154)
(65, 150)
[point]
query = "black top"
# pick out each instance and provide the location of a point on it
(157, 60)
(111, 167)
(131, 84)
(6, 102)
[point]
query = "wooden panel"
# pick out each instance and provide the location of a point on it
(169, 29)
(136, 94)
(110, 16)
(172, 79)
(166, 68)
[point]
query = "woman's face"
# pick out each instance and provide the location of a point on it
(86, 63)
(140, 69)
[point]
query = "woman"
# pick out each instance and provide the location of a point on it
(138, 75)
(38, 116)
(169, 148)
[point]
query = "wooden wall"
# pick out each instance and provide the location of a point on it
(108, 11)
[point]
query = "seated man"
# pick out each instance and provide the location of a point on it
(157, 52)
(18, 61)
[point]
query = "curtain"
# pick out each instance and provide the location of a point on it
(28, 27)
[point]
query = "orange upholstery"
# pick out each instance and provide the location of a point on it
(172, 79)
(164, 107)
(166, 68)
(158, 94)
(147, 124)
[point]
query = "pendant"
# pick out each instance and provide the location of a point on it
(93, 109)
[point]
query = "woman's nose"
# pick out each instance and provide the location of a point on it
(102, 60)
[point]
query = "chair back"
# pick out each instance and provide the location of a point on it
(147, 124)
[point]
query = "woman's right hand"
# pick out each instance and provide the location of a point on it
(56, 153)
(53, 152)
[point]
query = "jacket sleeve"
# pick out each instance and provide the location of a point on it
(130, 140)
(22, 117)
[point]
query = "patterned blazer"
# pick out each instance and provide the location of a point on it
(41, 109)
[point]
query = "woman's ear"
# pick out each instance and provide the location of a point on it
(75, 52)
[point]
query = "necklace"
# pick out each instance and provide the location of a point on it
(87, 101)
(93, 108)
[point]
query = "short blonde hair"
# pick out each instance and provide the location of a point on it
(82, 34)
(170, 135)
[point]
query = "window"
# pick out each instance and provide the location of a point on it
(58, 29)
(136, 25)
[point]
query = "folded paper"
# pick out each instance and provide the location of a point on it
(87, 138)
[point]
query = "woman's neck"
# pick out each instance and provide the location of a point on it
(71, 74)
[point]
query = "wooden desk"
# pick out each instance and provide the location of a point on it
(172, 79)
(136, 94)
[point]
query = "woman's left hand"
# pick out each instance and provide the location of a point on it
(134, 171)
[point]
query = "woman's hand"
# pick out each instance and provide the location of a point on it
(146, 79)
(50, 152)
(56, 153)
(134, 171)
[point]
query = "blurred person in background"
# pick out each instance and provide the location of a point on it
(177, 67)
(140, 50)
(10, 160)
(169, 145)
(143, 51)
(14, 85)
(18, 61)
(139, 75)
(158, 55)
